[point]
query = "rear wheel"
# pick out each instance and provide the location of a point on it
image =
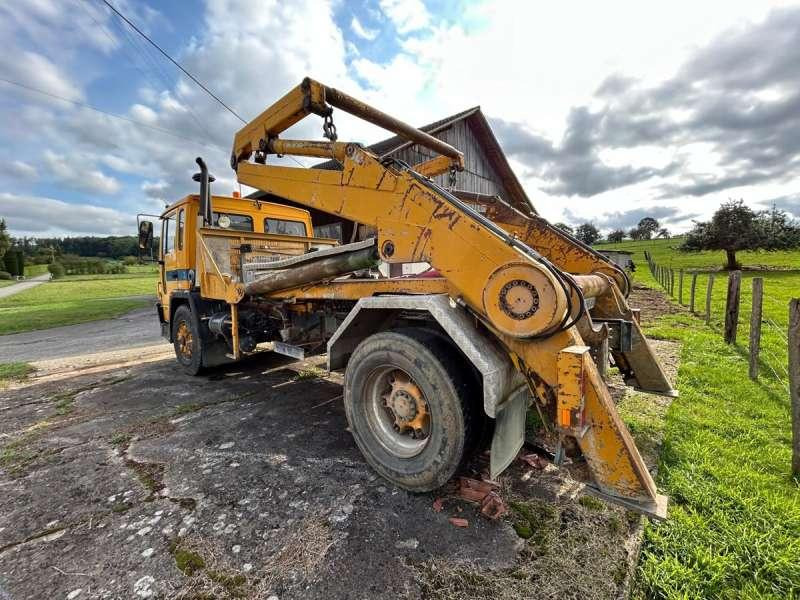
(410, 404)
(186, 340)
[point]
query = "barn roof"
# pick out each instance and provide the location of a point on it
(482, 131)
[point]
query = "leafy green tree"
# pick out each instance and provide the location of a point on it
(5, 239)
(635, 233)
(648, 226)
(616, 236)
(565, 227)
(587, 233)
(663, 233)
(736, 227)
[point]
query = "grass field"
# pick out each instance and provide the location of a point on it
(781, 283)
(734, 522)
(666, 253)
(75, 300)
(6, 282)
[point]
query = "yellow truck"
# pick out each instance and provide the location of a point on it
(514, 315)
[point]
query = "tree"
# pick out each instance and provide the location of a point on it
(736, 227)
(587, 233)
(635, 233)
(663, 233)
(565, 227)
(5, 239)
(648, 226)
(616, 236)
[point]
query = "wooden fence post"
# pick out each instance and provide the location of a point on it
(709, 288)
(691, 292)
(732, 306)
(794, 380)
(680, 287)
(755, 325)
(672, 282)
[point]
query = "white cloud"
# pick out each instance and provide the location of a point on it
(70, 172)
(361, 31)
(46, 217)
(34, 70)
(521, 63)
(18, 169)
(407, 15)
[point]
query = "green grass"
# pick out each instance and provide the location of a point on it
(14, 371)
(666, 253)
(74, 300)
(734, 519)
(6, 282)
(780, 286)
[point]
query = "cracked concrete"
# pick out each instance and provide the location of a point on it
(240, 458)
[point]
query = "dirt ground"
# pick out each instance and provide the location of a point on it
(136, 481)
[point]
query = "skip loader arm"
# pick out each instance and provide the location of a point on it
(530, 305)
(638, 364)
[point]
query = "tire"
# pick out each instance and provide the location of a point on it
(188, 350)
(376, 398)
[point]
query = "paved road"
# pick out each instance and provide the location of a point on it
(131, 330)
(23, 285)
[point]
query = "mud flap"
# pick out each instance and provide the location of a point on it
(509, 431)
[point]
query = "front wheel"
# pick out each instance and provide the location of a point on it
(187, 341)
(409, 400)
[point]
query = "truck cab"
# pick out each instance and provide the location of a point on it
(207, 251)
(178, 247)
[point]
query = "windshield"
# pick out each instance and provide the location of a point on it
(233, 221)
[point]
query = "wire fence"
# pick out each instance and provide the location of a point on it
(773, 350)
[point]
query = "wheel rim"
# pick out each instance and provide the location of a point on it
(397, 411)
(183, 337)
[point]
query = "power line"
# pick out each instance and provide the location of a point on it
(132, 59)
(109, 114)
(172, 60)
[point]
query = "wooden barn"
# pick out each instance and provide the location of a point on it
(487, 183)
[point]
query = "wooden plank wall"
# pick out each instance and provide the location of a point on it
(478, 175)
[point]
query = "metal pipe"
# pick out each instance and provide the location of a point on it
(592, 286)
(372, 115)
(307, 148)
(314, 271)
(205, 179)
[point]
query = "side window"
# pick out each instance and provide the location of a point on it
(233, 221)
(168, 234)
(285, 227)
(179, 232)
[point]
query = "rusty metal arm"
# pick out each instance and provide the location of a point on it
(312, 97)
(433, 167)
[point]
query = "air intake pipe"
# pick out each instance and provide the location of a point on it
(205, 179)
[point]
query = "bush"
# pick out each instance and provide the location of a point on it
(89, 265)
(5, 275)
(130, 260)
(56, 270)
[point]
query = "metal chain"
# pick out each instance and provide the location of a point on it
(328, 127)
(451, 183)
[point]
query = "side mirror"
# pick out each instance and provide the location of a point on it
(145, 238)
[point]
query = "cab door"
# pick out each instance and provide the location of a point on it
(174, 251)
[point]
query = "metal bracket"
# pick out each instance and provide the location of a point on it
(620, 334)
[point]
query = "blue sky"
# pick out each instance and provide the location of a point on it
(606, 112)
